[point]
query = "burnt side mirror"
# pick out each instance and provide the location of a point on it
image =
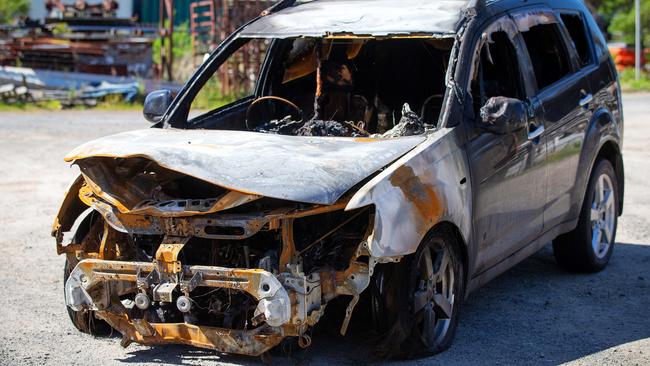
(155, 105)
(501, 115)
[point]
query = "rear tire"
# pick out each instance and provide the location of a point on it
(85, 320)
(589, 246)
(419, 299)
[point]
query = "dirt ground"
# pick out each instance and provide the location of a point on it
(533, 314)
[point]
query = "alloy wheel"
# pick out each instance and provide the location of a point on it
(603, 216)
(434, 298)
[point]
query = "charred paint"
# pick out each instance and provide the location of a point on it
(421, 195)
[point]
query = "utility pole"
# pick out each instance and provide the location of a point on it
(637, 39)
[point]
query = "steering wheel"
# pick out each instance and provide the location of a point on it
(257, 101)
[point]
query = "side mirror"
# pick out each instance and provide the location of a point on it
(501, 115)
(155, 105)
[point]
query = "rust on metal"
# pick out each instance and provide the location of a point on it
(167, 253)
(254, 342)
(422, 195)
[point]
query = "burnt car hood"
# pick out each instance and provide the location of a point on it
(305, 169)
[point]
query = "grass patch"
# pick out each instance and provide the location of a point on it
(53, 105)
(629, 84)
(110, 102)
(210, 97)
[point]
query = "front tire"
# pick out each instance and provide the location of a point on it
(420, 299)
(589, 246)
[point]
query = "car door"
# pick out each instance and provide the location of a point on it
(508, 173)
(564, 94)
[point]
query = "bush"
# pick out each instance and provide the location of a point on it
(622, 24)
(629, 83)
(10, 10)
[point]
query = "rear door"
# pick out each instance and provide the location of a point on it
(508, 173)
(564, 94)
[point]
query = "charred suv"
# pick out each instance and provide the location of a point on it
(398, 153)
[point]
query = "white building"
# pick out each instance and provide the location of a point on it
(37, 8)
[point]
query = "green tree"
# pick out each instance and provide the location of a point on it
(619, 15)
(622, 23)
(608, 8)
(11, 9)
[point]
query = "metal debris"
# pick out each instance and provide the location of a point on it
(314, 127)
(410, 124)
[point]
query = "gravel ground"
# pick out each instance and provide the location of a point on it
(533, 314)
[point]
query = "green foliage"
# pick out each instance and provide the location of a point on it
(622, 23)
(12, 9)
(629, 83)
(182, 43)
(53, 105)
(210, 97)
(608, 8)
(60, 29)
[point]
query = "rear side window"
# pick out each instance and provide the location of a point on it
(576, 27)
(547, 53)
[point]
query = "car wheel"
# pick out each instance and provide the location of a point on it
(84, 320)
(421, 298)
(589, 246)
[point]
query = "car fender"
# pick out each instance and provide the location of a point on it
(71, 208)
(601, 129)
(427, 186)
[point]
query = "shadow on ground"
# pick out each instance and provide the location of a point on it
(535, 313)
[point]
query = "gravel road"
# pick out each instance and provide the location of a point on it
(533, 314)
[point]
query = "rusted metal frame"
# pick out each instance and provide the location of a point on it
(332, 231)
(288, 245)
(196, 226)
(252, 342)
(224, 202)
(167, 253)
(108, 246)
(174, 207)
(251, 281)
(190, 207)
(353, 280)
(71, 208)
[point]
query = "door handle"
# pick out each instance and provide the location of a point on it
(536, 133)
(586, 99)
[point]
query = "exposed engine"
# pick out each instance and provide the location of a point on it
(162, 252)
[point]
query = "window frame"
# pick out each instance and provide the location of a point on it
(208, 74)
(493, 25)
(571, 54)
(588, 37)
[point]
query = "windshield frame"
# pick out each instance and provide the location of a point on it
(178, 113)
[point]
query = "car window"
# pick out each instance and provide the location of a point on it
(547, 52)
(498, 71)
(575, 25)
(235, 79)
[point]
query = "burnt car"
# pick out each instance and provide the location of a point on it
(394, 156)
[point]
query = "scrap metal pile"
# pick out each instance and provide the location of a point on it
(75, 56)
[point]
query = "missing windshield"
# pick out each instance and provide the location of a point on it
(343, 87)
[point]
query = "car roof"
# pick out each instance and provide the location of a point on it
(323, 18)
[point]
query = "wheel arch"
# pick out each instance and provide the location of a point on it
(449, 229)
(602, 141)
(611, 151)
(71, 208)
